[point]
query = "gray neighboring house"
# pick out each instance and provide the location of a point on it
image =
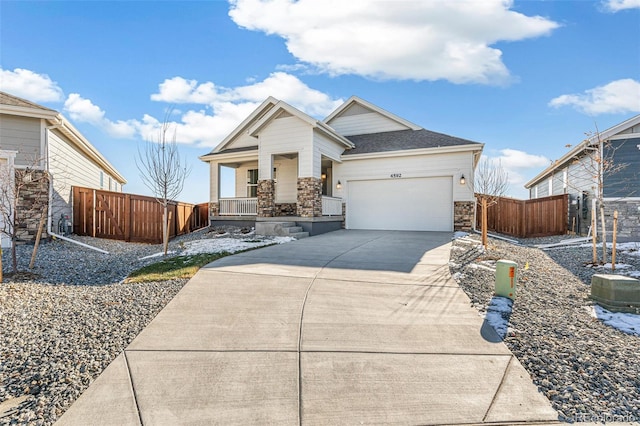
(576, 174)
(36, 137)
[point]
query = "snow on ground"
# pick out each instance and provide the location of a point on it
(220, 244)
(498, 313)
(229, 245)
(627, 323)
(151, 256)
(459, 234)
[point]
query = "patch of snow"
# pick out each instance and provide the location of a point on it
(459, 234)
(229, 245)
(618, 266)
(151, 256)
(479, 266)
(498, 313)
(633, 274)
(627, 323)
(458, 276)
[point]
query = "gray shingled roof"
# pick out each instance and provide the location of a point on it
(7, 99)
(401, 140)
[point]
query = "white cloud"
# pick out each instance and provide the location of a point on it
(617, 97)
(418, 40)
(224, 108)
(516, 163)
(83, 110)
(618, 5)
(32, 86)
(281, 85)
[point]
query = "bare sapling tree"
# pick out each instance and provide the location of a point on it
(490, 183)
(23, 197)
(590, 170)
(163, 171)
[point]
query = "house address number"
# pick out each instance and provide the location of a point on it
(396, 175)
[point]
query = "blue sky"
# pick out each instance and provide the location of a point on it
(526, 78)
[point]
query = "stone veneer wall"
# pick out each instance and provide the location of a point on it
(463, 215)
(628, 219)
(32, 201)
(214, 209)
(286, 209)
(266, 198)
(309, 197)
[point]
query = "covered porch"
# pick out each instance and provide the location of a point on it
(240, 196)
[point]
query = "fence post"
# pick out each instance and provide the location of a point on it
(127, 217)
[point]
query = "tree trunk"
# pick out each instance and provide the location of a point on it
(484, 222)
(604, 234)
(165, 229)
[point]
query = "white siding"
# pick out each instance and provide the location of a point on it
(434, 165)
(543, 188)
(582, 176)
(241, 178)
(242, 140)
(70, 167)
(22, 134)
(323, 146)
(286, 135)
(558, 184)
(287, 185)
(364, 124)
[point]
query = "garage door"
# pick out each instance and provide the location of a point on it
(421, 204)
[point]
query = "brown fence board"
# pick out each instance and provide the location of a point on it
(539, 217)
(131, 217)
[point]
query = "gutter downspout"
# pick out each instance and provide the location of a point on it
(50, 212)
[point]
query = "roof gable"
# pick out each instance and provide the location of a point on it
(246, 124)
(621, 130)
(283, 109)
(355, 106)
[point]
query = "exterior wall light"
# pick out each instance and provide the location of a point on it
(338, 185)
(323, 176)
(462, 180)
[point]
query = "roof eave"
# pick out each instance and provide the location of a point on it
(476, 147)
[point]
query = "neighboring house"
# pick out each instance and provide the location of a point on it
(41, 139)
(361, 167)
(576, 174)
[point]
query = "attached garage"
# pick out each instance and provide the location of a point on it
(415, 204)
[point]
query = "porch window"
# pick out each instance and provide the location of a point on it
(252, 183)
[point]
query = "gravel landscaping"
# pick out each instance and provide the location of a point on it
(588, 370)
(68, 318)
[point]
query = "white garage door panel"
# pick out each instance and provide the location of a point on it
(421, 204)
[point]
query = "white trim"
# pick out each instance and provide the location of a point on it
(625, 136)
(253, 154)
(369, 105)
(264, 107)
(28, 112)
(621, 199)
(412, 152)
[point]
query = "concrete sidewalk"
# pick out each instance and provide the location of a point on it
(342, 328)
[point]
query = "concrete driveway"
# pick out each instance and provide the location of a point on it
(349, 327)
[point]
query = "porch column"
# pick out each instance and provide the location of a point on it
(266, 198)
(214, 188)
(309, 197)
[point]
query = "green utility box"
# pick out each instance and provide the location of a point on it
(506, 278)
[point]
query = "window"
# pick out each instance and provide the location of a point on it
(101, 180)
(252, 183)
(109, 183)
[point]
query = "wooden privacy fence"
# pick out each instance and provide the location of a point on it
(130, 217)
(539, 217)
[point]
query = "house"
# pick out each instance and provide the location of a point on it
(360, 168)
(40, 139)
(577, 172)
